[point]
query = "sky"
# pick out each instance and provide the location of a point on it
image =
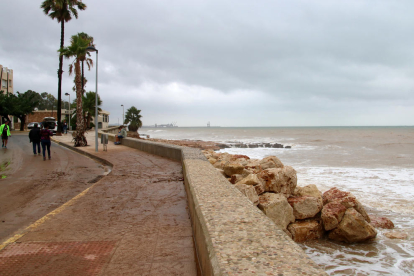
(227, 62)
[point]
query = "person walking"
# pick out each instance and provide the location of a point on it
(34, 136)
(45, 135)
(65, 127)
(5, 133)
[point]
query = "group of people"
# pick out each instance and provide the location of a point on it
(39, 137)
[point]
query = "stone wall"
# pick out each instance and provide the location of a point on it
(232, 236)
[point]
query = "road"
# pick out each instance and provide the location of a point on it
(32, 187)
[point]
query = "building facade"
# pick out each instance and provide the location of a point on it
(6, 85)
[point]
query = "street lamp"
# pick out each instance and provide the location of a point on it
(123, 116)
(93, 49)
(70, 111)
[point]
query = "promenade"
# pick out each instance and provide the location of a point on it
(133, 221)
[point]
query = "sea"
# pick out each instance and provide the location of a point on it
(376, 164)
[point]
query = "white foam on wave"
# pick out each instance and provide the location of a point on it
(389, 189)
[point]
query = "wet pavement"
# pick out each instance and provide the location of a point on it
(133, 221)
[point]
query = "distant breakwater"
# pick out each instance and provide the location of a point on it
(236, 144)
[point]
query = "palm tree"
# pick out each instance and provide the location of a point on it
(133, 117)
(62, 11)
(89, 62)
(77, 49)
(89, 106)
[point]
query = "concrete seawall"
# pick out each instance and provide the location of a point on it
(232, 236)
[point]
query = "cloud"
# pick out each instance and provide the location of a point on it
(281, 62)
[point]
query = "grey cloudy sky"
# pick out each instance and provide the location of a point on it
(233, 63)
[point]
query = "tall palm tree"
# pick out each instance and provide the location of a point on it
(77, 50)
(133, 117)
(62, 11)
(89, 61)
(89, 106)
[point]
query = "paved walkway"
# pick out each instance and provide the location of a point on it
(134, 221)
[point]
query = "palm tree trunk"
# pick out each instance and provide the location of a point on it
(83, 78)
(60, 71)
(80, 139)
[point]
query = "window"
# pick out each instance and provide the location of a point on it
(10, 83)
(3, 83)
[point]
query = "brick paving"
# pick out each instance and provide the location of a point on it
(134, 221)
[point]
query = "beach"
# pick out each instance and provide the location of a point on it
(374, 163)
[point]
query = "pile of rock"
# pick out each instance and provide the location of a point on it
(304, 213)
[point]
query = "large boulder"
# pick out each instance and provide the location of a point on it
(233, 168)
(277, 208)
(220, 164)
(249, 191)
(306, 230)
(381, 222)
(309, 190)
(305, 206)
(346, 199)
(332, 214)
(270, 162)
(280, 180)
(260, 188)
(251, 179)
(353, 228)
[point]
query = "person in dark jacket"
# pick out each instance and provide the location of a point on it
(45, 135)
(34, 136)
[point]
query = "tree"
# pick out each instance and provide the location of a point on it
(62, 11)
(133, 117)
(47, 102)
(89, 62)
(6, 105)
(23, 104)
(76, 50)
(89, 106)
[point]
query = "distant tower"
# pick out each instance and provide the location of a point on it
(208, 124)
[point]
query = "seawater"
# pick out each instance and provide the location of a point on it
(376, 164)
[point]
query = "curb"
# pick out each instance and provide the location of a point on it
(96, 158)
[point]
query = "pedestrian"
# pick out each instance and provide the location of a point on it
(121, 134)
(65, 127)
(45, 134)
(34, 136)
(5, 133)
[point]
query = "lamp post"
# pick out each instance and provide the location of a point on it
(70, 111)
(123, 114)
(93, 49)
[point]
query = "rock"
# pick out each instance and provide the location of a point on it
(353, 228)
(277, 208)
(288, 147)
(249, 191)
(220, 164)
(305, 206)
(332, 214)
(396, 235)
(212, 160)
(260, 188)
(306, 230)
(346, 199)
(251, 179)
(309, 190)
(233, 168)
(280, 180)
(381, 222)
(271, 162)
(235, 178)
